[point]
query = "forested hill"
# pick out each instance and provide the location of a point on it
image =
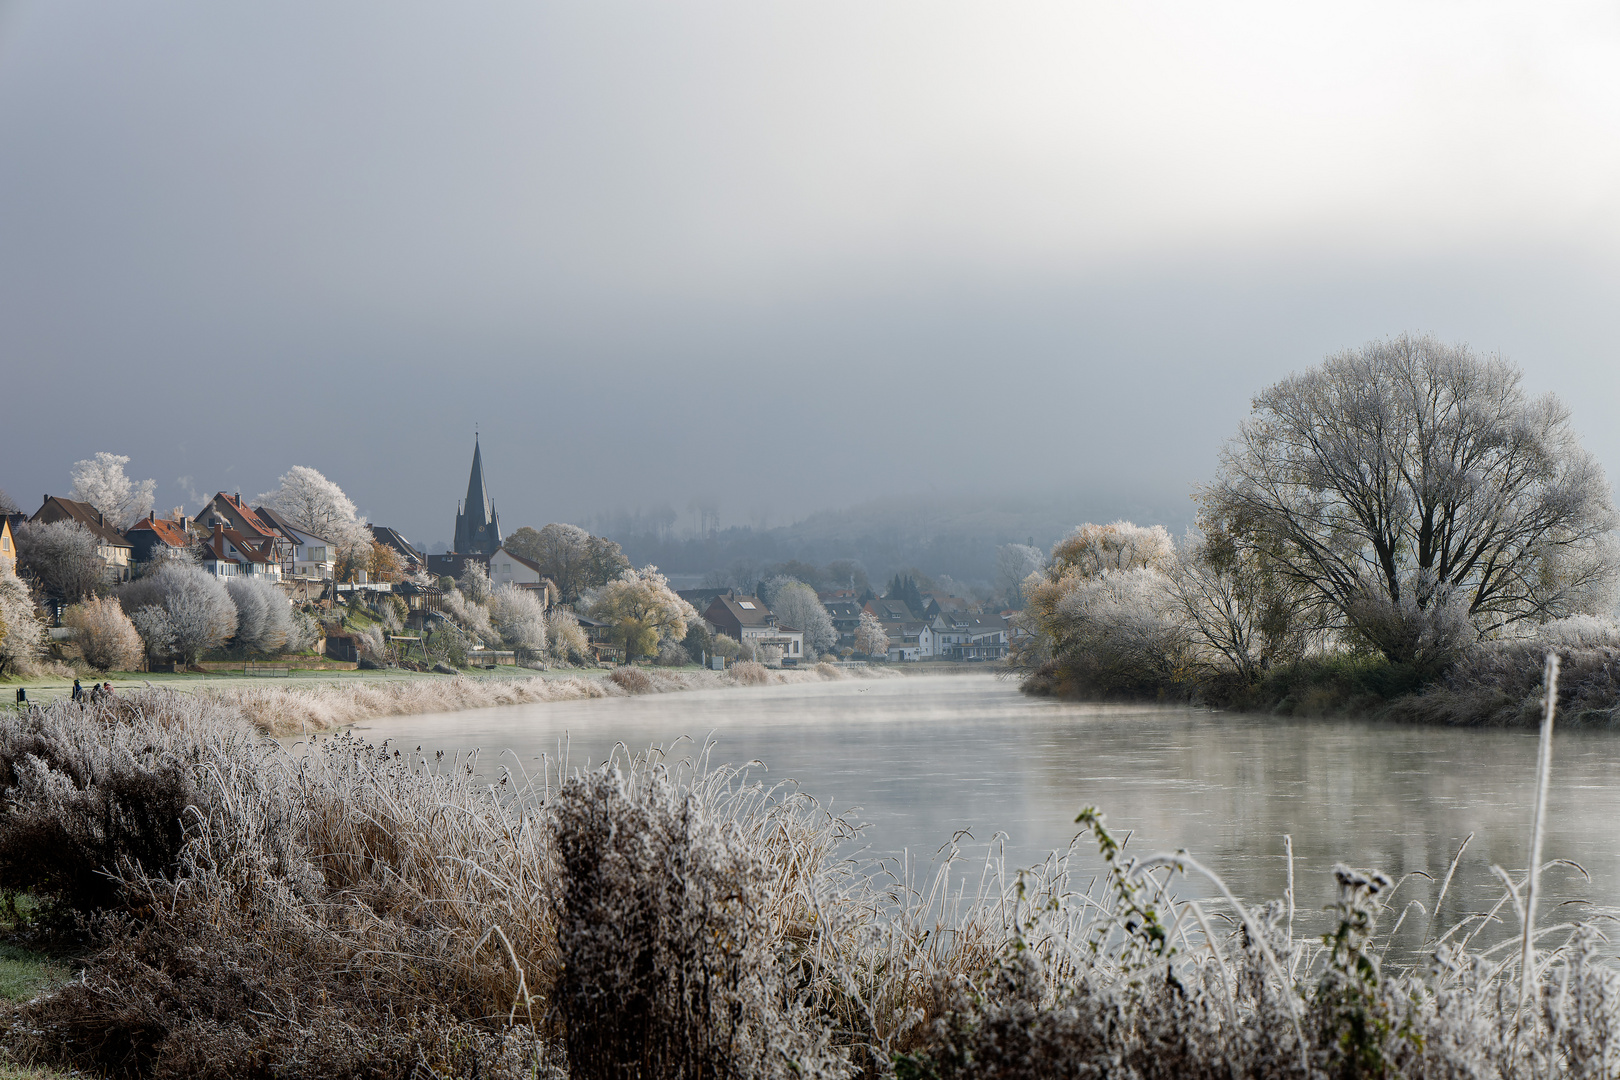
(957, 538)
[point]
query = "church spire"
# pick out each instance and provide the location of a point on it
(478, 529)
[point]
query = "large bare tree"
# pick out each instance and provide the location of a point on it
(1420, 497)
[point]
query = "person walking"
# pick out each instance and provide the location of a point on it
(78, 691)
(22, 696)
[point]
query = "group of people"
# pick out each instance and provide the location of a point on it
(98, 692)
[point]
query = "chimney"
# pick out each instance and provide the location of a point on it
(151, 515)
(219, 531)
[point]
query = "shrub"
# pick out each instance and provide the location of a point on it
(750, 673)
(568, 643)
(660, 911)
(180, 611)
(632, 680)
(106, 636)
(83, 791)
(672, 653)
(521, 619)
(263, 614)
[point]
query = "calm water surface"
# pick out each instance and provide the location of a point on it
(923, 757)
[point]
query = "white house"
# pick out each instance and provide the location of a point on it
(227, 553)
(305, 555)
(967, 637)
(508, 568)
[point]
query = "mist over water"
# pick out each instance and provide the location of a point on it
(924, 757)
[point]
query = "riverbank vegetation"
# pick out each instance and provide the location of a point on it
(1401, 531)
(345, 909)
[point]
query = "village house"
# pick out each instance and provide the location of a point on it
(115, 551)
(304, 555)
(231, 512)
(153, 537)
(228, 553)
(968, 637)
(8, 546)
(750, 622)
(509, 568)
(395, 541)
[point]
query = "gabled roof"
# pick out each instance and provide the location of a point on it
(249, 518)
(214, 547)
(747, 610)
(286, 526)
(515, 557)
(888, 610)
(391, 537)
(56, 508)
(168, 530)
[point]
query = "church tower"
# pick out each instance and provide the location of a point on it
(478, 527)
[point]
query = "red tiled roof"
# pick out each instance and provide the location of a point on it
(167, 529)
(249, 518)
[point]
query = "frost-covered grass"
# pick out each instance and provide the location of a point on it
(340, 908)
(325, 700)
(289, 709)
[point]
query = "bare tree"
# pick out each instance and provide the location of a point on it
(1014, 563)
(1408, 481)
(571, 557)
(63, 555)
(100, 481)
(263, 614)
(106, 636)
(796, 605)
(180, 611)
(8, 505)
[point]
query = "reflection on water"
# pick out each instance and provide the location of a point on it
(926, 756)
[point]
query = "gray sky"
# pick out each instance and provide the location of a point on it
(785, 255)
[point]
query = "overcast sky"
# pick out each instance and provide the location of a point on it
(784, 255)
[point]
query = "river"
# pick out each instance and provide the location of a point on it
(926, 756)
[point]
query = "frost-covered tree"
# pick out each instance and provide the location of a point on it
(22, 635)
(471, 617)
(100, 481)
(570, 556)
(1119, 634)
(63, 555)
(263, 614)
(303, 633)
(642, 609)
(1409, 481)
(565, 637)
(520, 618)
(180, 611)
(474, 583)
(1014, 564)
(870, 637)
(106, 636)
(796, 605)
(317, 504)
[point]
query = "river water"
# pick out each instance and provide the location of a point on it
(926, 756)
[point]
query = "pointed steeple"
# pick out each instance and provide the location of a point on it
(478, 529)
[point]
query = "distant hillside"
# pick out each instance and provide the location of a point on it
(957, 537)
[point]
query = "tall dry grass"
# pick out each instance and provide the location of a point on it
(341, 908)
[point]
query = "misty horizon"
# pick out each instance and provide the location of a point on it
(793, 261)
